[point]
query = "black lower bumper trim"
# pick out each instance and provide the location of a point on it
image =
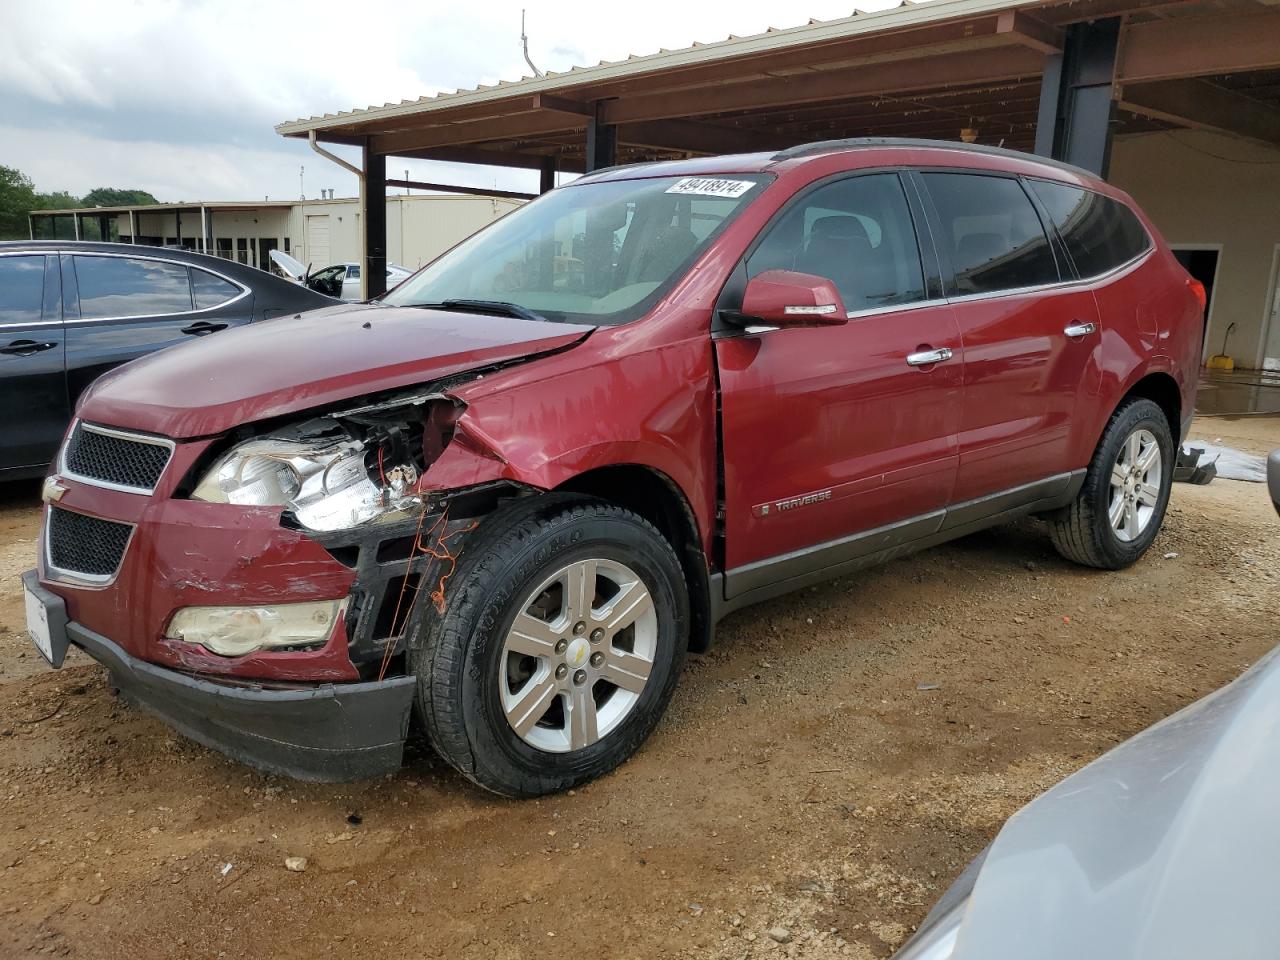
(329, 732)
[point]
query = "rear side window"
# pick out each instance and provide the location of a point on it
(991, 232)
(129, 287)
(210, 290)
(1100, 233)
(857, 233)
(21, 289)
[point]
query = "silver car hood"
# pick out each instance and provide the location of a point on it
(1167, 847)
(289, 266)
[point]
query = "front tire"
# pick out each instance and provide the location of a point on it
(562, 642)
(1120, 508)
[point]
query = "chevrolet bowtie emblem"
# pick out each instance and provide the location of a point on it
(53, 489)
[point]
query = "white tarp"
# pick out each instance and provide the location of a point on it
(1232, 464)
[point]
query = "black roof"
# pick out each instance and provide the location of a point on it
(270, 291)
(237, 271)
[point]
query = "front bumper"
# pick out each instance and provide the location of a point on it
(323, 732)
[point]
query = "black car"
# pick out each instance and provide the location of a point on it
(71, 311)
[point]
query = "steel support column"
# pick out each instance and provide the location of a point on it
(1076, 97)
(373, 223)
(547, 179)
(602, 142)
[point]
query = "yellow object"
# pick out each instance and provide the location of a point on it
(1220, 362)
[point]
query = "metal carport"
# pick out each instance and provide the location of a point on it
(1060, 77)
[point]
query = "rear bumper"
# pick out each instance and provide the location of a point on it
(323, 732)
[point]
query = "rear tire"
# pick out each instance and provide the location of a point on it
(1120, 508)
(516, 679)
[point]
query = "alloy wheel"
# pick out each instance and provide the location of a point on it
(1135, 485)
(578, 655)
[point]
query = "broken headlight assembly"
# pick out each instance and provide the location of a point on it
(335, 472)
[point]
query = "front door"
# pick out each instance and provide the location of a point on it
(33, 386)
(836, 447)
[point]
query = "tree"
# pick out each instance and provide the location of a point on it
(111, 197)
(60, 200)
(17, 197)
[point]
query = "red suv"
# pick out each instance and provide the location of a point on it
(510, 495)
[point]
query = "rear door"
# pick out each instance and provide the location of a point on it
(835, 446)
(1029, 337)
(122, 307)
(33, 387)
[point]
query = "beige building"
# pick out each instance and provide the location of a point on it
(315, 232)
(1217, 198)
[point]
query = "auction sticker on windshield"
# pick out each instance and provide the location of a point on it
(711, 187)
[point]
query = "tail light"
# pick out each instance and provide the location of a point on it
(1197, 288)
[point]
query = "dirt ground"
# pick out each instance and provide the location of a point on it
(803, 778)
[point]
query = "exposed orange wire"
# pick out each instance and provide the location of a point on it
(439, 550)
(390, 643)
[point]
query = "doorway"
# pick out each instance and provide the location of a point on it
(1202, 263)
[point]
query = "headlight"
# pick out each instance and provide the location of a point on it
(235, 631)
(326, 482)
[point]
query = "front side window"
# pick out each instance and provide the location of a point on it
(855, 232)
(21, 289)
(991, 232)
(129, 287)
(596, 252)
(1100, 233)
(210, 290)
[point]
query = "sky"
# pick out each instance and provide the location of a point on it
(180, 97)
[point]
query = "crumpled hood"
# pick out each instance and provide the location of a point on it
(290, 364)
(1166, 848)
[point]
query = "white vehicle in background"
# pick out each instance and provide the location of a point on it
(341, 280)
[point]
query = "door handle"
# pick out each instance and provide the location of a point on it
(926, 357)
(25, 348)
(1080, 329)
(201, 327)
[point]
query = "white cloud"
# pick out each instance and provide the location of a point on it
(180, 98)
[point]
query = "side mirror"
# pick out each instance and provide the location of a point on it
(785, 298)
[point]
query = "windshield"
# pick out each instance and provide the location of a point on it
(598, 253)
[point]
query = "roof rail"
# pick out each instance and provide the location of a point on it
(855, 143)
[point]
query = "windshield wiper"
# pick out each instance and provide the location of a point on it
(498, 308)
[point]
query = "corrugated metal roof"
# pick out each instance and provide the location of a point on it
(906, 14)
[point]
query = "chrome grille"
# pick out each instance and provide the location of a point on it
(85, 546)
(113, 458)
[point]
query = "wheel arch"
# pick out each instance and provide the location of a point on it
(1161, 389)
(653, 495)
